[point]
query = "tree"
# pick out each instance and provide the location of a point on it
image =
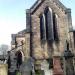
(3, 49)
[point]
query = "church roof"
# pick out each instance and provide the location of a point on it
(22, 31)
(38, 2)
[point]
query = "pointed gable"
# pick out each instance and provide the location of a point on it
(38, 2)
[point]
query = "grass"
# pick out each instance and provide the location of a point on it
(18, 73)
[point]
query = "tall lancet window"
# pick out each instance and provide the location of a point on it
(42, 27)
(49, 24)
(55, 27)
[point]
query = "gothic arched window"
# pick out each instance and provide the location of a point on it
(49, 24)
(42, 27)
(55, 26)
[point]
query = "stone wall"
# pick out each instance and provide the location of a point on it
(56, 49)
(39, 51)
(3, 69)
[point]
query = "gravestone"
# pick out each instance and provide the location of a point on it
(45, 67)
(27, 67)
(57, 66)
(13, 67)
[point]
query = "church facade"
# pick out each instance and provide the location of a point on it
(48, 38)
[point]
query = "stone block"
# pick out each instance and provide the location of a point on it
(3, 69)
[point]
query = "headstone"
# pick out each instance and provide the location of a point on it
(45, 67)
(13, 66)
(69, 67)
(57, 66)
(26, 67)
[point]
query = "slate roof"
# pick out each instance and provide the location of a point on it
(22, 32)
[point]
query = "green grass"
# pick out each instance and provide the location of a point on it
(18, 73)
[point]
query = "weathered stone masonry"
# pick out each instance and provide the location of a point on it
(45, 51)
(48, 38)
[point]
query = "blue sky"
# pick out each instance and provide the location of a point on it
(12, 16)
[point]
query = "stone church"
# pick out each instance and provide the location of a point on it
(47, 39)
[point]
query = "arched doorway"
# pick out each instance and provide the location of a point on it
(19, 58)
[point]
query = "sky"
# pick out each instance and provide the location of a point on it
(13, 16)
